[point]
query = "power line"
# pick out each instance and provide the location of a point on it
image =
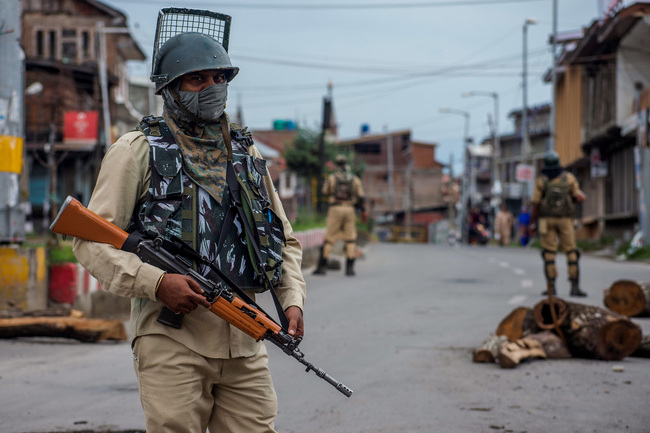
(322, 6)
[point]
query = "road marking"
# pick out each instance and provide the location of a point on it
(504, 264)
(526, 284)
(517, 299)
(518, 271)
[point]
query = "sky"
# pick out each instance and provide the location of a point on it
(392, 64)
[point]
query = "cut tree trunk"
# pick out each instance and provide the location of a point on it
(48, 312)
(86, 330)
(543, 315)
(627, 297)
(553, 345)
(592, 332)
(643, 351)
(511, 354)
(511, 325)
(489, 349)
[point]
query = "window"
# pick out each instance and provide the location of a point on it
(70, 45)
(85, 45)
(40, 43)
(372, 148)
(52, 44)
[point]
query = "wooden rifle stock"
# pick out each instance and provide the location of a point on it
(75, 220)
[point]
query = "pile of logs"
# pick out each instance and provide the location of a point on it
(560, 329)
(62, 322)
(631, 298)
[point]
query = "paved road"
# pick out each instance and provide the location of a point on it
(400, 334)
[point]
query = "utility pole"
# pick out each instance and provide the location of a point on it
(391, 171)
(551, 138)
(12, 88)
(525, 139)
(464, 186)
(642, 166)
(103, 78)
(327, 110)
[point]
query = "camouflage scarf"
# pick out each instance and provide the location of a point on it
(204, 152)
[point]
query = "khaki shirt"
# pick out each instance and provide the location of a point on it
(330, 185)
(122, 185)
(572, 182)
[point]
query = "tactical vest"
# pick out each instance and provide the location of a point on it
(177, 206)
(556, 199)
(344, 187)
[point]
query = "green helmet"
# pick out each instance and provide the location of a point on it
(189, 52)
(341, 160)
(551, 161)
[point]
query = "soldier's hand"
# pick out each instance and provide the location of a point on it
(181, 293)
(532, 230)
(296, 324)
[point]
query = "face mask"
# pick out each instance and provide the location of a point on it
(208, 104)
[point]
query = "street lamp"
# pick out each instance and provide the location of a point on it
(463, 208)
(496, 179)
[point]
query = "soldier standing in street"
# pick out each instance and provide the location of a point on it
(173, 176)
(554, 198)
(346, 197)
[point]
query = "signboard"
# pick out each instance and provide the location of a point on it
(525, 173)
(80, 128)
(598, 165)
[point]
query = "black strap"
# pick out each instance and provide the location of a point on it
(235, 193)
(235, 198)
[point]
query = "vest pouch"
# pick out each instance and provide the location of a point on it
(166, 181)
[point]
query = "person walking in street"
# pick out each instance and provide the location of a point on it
(503, 224)
(554, 198)
(523, 223)
(346, 199)
(170, 176)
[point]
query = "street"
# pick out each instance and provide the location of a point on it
(400, 334)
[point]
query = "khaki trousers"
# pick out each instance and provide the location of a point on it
(341, 220)
(184, 392)
(552, 229)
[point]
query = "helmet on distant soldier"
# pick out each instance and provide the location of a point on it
(551, 161)
(341, 160)
(190, 52)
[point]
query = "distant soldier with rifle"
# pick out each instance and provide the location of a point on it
(192, 177)
(554, 198)
(346, 199)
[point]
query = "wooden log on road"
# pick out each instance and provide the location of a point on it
(489, 349)
(513, 353)
(59, 311)
(512, 325)
(592, 332)
(552, 344)
(643, 351)
(86, 330)
(631, 298)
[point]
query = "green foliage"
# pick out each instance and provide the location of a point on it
(62, 253)
(307, 221)
(302, 155)
(595, 244)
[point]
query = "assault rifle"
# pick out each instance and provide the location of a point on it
(75, 220)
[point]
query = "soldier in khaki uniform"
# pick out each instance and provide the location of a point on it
(207, 374)
(346, 197)
(554, 198)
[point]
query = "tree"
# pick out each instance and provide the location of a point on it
(302, 155)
